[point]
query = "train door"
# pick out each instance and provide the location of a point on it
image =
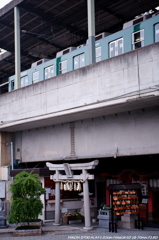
(98, 54)
(116, 47)
(36, 77)
(79, 61)
(49, 72)
(24, 81)
(12, 85)
(138, 39)
(157, 32)
(63, 67)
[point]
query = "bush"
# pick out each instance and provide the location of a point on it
(25, 200)
(104, 207)
(80, 216)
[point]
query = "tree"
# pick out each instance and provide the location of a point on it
(25, 200)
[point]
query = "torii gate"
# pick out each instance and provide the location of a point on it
(69, 176)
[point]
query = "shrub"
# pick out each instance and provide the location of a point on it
(25, 200)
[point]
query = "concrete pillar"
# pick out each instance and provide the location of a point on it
(91, 30)
(86, 202)
(57, 200)
(17, 47)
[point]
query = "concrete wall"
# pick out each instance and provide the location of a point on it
(124, 134)
(44, 144)
(121, 76)
(5, 148)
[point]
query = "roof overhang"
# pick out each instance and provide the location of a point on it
(52, 26)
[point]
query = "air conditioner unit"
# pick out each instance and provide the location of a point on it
(35, 64)
(80, 46)
(155, 14)
(100, 36)
(65, 51)
(136, 21)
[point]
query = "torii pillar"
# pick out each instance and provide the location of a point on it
(69, 176)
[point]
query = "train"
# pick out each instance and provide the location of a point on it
(135, 34)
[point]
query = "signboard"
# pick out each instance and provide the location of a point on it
(2, 189)
(144, 200)
(64, 210)
(48, 190)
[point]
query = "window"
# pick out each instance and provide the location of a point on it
(79, 61)
(63, 67)
(49, 72)
(98, 54)
(116, 47)
(12, 85)
(35, 77)
(138, 39)
(24, 81)
(157, 32)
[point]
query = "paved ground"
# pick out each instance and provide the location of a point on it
(75, 231)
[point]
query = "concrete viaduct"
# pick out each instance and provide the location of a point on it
(106, 109)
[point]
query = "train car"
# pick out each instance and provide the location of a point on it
(137, 33)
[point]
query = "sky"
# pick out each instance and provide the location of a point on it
(4, 2)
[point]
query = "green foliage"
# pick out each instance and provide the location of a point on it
(35, 220)
(103, 206)
(25, 200)
(80, 216)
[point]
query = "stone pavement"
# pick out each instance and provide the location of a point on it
(75, 231)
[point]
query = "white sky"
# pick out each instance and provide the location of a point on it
(4, 2)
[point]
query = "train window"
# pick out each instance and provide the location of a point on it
(138, 39)
(63, 67)
(24, 81)
(49, 72)
(35, 77)
(79, 61)
(12, 85)
(98, 54)
(157, 32)
(120, 46)
(116, 47)
(82, 60)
